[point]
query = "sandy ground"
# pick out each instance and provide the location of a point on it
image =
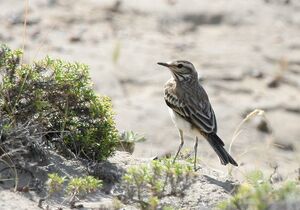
(198, 195)
(24, 204)
(238, 47)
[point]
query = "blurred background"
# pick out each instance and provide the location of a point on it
(247, 54)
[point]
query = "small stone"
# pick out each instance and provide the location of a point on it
(116, 6)
(263, 126)
(75, 38)
(274, 83)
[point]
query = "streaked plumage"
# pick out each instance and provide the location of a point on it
(190, 108)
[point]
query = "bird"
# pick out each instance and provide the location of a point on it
(190, 109)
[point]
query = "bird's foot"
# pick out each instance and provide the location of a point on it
(196, 168)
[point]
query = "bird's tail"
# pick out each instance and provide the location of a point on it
(218, 145)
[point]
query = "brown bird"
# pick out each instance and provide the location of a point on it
(190, 109)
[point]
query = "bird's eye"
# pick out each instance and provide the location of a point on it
(179, 65)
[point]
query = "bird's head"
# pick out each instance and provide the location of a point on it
(181, 70)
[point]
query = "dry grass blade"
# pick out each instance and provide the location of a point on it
(239, 130)
(15, 142)
(11, 166)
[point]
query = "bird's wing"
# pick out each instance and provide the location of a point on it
(195, 110)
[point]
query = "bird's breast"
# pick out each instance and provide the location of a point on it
(182, 124)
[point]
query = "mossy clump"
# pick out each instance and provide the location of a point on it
(57, 95)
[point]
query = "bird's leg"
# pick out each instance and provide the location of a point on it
(195, 150)
(181, 144)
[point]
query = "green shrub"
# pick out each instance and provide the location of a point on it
(55, 183)
(58, 95)
(77, 187)
(147, 183)
(258, 193)
(83, 185)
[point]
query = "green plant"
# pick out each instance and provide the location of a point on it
(130, 136)
(55, 183)
(258, 193)
(148, 183)
(128, 140)
(153, 203)
(77, 187)
(58, 96)
(83, 185)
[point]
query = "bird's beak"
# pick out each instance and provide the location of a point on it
(164, 64)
